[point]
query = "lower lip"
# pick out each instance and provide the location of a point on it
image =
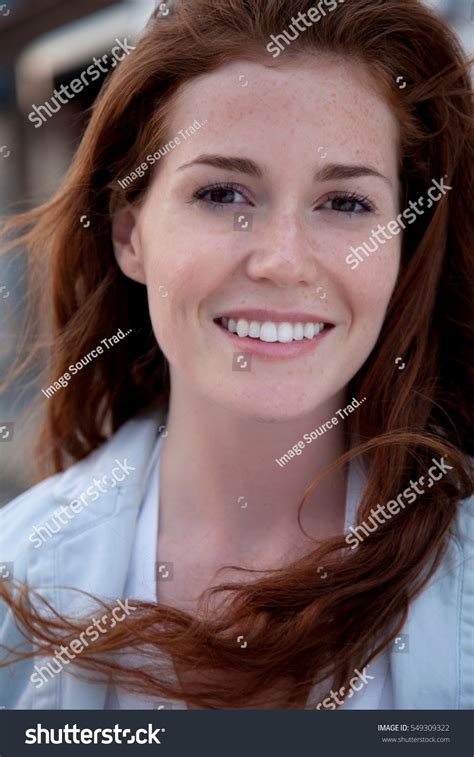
(274, 350)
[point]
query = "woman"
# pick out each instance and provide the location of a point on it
(231, 192)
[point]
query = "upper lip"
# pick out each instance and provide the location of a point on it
(276, 316)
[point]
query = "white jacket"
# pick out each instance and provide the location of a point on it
(92, 552)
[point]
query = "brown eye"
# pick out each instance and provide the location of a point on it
(220, 194)
(348, 203)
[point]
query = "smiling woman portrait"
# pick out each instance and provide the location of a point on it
(253, 578)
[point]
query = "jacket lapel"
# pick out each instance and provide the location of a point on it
(425, 661)
(91, 551)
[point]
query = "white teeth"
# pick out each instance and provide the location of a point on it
(298, 331)
(272, 332)
(254, 329)
(242, 327)
(308, 330)
(285, 332)
(268, 332)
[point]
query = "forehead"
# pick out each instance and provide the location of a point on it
(310, 101)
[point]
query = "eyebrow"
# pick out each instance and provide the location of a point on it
(242, 165)
(245, 165)
(343, 171)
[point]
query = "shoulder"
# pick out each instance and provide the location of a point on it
(75, 528)
(462, 543)
(463, 526)
(17, 515)
(130, 445)
(458, 557)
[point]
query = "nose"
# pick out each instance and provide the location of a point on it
(282, 252)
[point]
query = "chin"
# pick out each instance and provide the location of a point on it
(266, 408)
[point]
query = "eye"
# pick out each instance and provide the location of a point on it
(343, 202)
(220, 194)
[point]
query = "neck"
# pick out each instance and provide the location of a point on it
(220, 471)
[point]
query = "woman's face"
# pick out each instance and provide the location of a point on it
(251, 219)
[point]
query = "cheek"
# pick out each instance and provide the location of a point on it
(190, 266)
(176, 285)
(371, 287)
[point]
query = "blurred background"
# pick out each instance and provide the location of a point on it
(44, 44)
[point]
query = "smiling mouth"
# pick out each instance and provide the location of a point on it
(273, 331)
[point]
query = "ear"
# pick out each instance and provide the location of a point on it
(125, 243)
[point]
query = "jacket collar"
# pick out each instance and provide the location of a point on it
(424, 658)
(102, 534)
(439, 629)
(425, 662)
(134, 442)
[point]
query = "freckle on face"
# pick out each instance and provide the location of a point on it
(279, 121)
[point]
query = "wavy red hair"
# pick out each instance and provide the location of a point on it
(299, 629)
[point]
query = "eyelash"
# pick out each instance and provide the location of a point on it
(218, 186)
(351, 197)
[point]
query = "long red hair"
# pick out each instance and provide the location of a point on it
(299, 629)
